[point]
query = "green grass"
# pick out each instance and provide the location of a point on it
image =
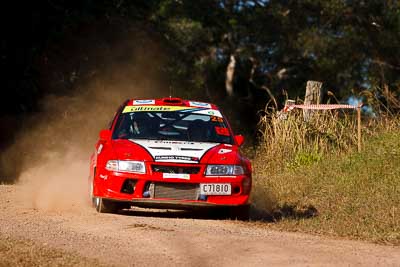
(340, 193)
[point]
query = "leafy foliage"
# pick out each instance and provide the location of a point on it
(278, 45)
(344, 43)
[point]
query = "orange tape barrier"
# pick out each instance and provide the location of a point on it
(320, 107)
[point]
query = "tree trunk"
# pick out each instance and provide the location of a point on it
(230, 73)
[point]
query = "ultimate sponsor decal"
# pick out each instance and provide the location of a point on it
(128, 109)
(194, 110)
(176, 157)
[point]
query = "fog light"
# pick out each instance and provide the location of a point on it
(236, 190)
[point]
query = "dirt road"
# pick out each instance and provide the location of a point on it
(80, 236)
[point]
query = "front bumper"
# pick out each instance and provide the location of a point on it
(174, 192)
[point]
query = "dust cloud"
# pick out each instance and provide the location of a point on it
(53, 149)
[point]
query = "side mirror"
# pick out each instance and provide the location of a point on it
(239, 139)
(105, 135)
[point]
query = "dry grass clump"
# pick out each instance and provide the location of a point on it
(310, 177)
(286, 135)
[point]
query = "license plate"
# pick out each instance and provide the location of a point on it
(215, 189)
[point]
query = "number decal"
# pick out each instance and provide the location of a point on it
(216, 119)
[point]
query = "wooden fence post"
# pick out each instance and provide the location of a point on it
(313, 96)
(359, 128)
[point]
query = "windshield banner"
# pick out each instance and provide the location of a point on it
(195, 110)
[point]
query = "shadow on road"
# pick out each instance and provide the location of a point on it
(211, 214)
(284, 212)
(287, 211)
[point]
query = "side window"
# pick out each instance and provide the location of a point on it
(117, 113)
(123, 127)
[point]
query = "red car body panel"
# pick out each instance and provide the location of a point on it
(132, 187)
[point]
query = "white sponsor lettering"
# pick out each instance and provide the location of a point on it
(211, 112)
(100, 148)
(144, 102)
(183, 152)
(175, 157)
(199, 104)
(224, 151)
(176, 175)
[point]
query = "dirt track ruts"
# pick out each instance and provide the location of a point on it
(165, 238)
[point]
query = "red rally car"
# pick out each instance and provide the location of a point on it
(169, 153)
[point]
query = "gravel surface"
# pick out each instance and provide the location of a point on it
(79, 236)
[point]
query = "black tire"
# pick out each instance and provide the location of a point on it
(104, 205)
(91, 197)
(241, 213)
(91, 189)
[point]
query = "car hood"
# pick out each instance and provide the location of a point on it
(176, 151)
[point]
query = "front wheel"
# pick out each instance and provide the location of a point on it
(104, 205)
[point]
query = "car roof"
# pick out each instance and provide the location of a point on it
(170, 101)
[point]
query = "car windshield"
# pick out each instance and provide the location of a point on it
(173, 125)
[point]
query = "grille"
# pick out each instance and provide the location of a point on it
(176, 191)
(175, 169)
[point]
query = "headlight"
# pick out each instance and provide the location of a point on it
(224, 170)
(126, 166)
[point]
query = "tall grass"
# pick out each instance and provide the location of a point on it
(286, 135)
(310, 177)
